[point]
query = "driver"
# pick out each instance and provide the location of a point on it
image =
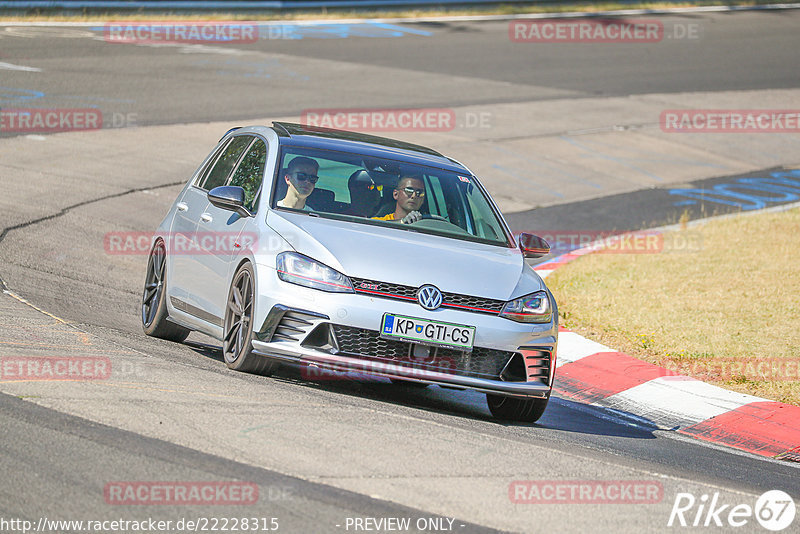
(409, 194)
(301, 177)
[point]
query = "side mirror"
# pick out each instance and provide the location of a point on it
(533, 246)
(229, 197)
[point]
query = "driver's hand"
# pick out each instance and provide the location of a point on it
(412, 217)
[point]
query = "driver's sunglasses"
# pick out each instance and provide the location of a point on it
(303, 177)
(410, 192)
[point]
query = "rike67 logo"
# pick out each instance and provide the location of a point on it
(774, 510)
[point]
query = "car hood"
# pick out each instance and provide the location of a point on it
(408, 258)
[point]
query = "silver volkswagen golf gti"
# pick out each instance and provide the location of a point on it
(346, 252)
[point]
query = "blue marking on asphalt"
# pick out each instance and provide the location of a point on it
(783, 174)
(336, 31)
(779, 187)
(22, 95)
(402, 29)
(289, 32)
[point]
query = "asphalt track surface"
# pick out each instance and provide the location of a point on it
(343, 449)
(728, 52)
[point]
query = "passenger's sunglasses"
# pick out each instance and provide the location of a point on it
(410, 192)
(303, 177)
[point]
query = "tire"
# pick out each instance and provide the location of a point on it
(237, 341)
(516, 409)
(154, 299)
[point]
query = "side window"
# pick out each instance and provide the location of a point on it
(201, 177)
(485, 222)
(436, 200)
(250, 173)
(224, 165)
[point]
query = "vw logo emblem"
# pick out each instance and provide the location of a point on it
(429, 297)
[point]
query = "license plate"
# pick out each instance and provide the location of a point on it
(425, 332)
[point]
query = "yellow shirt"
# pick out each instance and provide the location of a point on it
(389, 217)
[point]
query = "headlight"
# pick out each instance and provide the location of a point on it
(303, 271)
(533, 308)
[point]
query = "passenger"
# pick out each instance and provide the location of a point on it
(301, 176)
(365, 194)
(409, 194)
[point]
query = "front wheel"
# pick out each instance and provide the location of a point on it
(516, 409)
(237, 343)
(154, 299)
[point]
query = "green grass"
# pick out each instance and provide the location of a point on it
(728, 313)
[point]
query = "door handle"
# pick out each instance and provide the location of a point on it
(182, 206)
(206, 217)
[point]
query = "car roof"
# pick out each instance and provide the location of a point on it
(370, 145)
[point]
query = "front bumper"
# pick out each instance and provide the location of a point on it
(337, 362)
(304, 337)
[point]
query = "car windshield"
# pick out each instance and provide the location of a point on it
(377, 191)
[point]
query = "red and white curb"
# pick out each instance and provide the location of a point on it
(601, 376)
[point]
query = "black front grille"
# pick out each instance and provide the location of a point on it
(409, 293)
(480, 363)
(384, 289)
(362, 342)
(476, 304)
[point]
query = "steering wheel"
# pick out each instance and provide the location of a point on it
(429, 216)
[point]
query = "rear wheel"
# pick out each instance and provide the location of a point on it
(516, 409)
(154, 299)
(237, 343)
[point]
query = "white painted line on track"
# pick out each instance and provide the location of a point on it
(573, 347)
(11, 66)
(544, 273)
